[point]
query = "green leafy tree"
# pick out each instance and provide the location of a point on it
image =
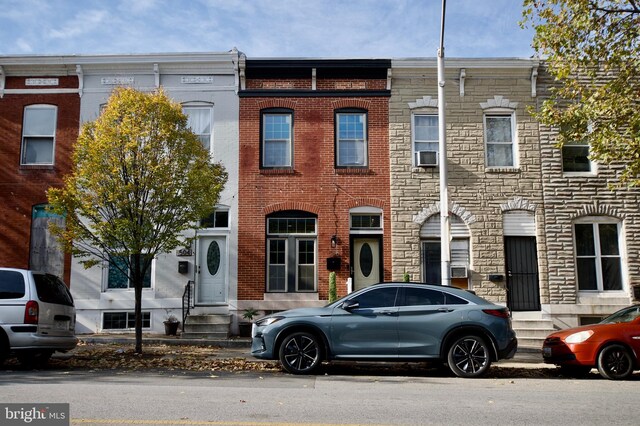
(140, 179)
(592, 48)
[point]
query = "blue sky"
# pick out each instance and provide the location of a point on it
(264, 28)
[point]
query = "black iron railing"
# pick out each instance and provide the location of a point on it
(187, 301)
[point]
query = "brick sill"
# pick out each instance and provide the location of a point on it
(351, 171)
(513, 170)
(277, 172)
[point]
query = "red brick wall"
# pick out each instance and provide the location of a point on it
(314, 185)
(23, 187)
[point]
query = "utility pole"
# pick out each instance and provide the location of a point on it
(445, 237)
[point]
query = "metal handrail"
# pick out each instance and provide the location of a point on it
(186, 301)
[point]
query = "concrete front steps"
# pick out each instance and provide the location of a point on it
(207, 326)
(531, 329)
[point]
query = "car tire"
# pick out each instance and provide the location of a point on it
(300, 353)
(615, 362)
(469, 356)
(574, 371)
(34, 359)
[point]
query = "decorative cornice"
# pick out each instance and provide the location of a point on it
(433, 209)
(518, 203)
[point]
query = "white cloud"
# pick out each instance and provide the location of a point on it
(82, 23)
(23, 46)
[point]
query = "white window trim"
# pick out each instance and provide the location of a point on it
(105, 279)
(286, 264)
(593, 164)
(370, 211)
(514, 137)
(264, 139)
(315, 265)
(413, 133)
(102, 327)
(53, 137)
(201, 105)
(623, 256)
(365, 136)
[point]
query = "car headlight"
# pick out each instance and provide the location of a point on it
(579, 337)
(267, 321)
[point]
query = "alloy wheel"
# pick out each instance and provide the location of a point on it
(469, 357)
(300, 353)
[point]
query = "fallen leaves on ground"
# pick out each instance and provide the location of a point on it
(158, 357)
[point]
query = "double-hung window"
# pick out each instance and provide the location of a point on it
(351, 139)
(277, 142)
(425, 138)
(292, 253)
(500, 140)
(598, 258)
(200, 120)
(38, 135)
(118, 279)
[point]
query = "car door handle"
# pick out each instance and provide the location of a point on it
(445, 310)
(389, 313)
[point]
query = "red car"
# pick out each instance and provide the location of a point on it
(612, 346)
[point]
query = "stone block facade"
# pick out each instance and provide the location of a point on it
(584, 197)
(479, 195)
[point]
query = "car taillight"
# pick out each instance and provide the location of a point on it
(31, 312)
(502, 313)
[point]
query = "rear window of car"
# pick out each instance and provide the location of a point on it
(11, 285)
(52, 290)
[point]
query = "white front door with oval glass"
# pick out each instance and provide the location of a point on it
(366, 261)
(211, 286)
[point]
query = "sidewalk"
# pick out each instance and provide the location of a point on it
(240, 347)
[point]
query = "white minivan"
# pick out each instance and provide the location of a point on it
(37, 316)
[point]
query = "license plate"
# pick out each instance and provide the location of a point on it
(61, 325)
(546, 352)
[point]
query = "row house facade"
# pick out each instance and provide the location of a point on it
(494, 178)
(333, 167)
(206, 86)
(592, 228)
(39, 121)
(314, 180)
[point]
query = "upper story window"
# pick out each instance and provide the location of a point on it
(38, 135)
(425, 139)
(351, 138)
(200, 120)
(277, 141)
(500, 139)
(575, 158)
(598, 254)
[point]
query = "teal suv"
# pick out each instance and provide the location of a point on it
(390, 322)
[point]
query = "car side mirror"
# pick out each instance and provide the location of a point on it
(349, 305)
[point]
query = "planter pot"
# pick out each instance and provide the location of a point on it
(171, 328)
(245, 329)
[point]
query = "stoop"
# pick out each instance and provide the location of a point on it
(207, 326)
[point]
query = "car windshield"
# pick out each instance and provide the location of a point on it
(624, 315)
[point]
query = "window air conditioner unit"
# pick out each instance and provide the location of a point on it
(459, 272)
(427, 158)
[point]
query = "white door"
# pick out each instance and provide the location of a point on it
(366, 261)
(211, 287)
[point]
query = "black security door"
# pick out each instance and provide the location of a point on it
(523, 291)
